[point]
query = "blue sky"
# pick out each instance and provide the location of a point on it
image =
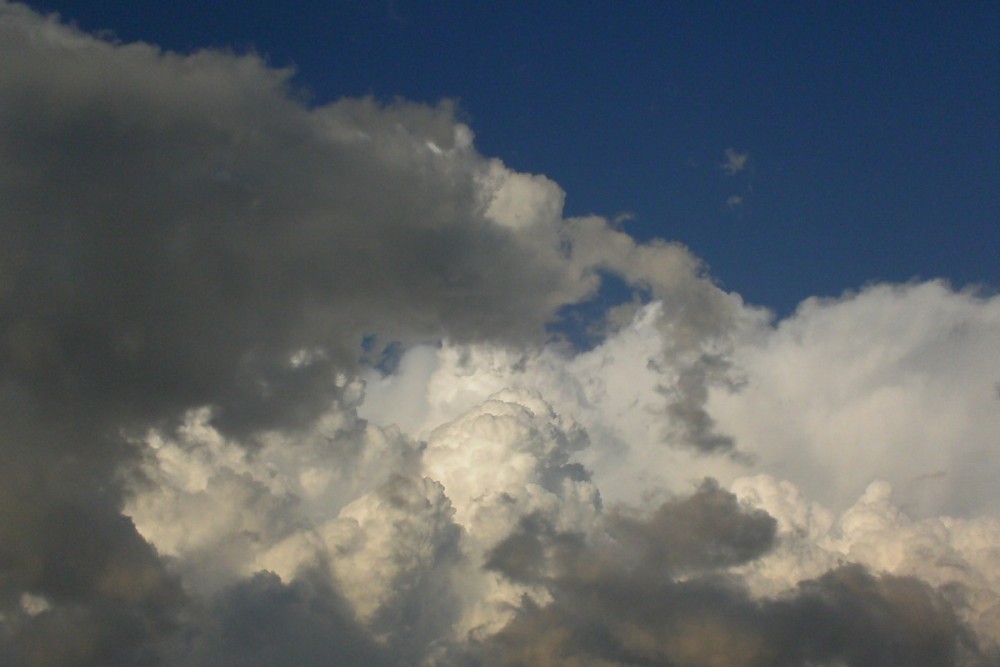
(871, 132)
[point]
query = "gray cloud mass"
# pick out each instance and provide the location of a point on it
(194, 261)
(623, 603)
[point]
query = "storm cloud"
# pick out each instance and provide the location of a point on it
(620, 601)
(282, 383)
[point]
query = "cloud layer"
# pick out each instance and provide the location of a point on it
(280, 383)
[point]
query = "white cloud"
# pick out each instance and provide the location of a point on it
(894, 383)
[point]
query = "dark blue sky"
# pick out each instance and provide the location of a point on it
(872, 134)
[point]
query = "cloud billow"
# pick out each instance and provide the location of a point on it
(201, 467)
(621, 601)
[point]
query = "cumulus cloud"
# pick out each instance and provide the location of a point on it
(209, 460)
(894, 382)
(620, 601)
(956, 556)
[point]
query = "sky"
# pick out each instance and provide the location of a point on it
(466, 336)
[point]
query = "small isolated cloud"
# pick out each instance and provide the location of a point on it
(734, 202)
(735, 161)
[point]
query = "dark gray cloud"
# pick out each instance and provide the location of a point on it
(658, 594)
(107, 595)
(709, 529)
(262, 621)
(847, 617)
(177, 226)
(176, 229)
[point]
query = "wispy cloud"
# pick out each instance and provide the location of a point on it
(735, 161)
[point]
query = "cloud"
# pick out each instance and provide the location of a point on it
(956, 556)
(619, 601)
(206, 462)
(893, 382)
(264, 621)
(707, 530)
(735, 162)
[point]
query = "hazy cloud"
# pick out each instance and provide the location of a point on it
(735, 161)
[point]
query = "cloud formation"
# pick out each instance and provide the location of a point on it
(620, 601)
(279, 384)
(735, 162)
